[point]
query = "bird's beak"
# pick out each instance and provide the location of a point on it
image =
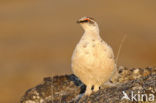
(78, 21)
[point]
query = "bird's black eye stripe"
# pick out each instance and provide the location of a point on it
(84, 21)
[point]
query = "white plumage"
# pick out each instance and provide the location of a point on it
(92, 60)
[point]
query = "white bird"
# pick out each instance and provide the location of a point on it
(93, 59)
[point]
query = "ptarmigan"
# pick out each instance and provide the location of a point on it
(92, 60)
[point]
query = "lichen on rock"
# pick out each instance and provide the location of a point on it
(69, 89)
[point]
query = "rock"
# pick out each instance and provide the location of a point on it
(144, 85)
(69, 89)
(54, 90)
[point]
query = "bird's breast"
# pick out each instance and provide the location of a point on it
(91, 54)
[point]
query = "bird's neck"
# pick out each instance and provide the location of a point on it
(93, 34)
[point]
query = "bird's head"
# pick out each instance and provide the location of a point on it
(88, 23)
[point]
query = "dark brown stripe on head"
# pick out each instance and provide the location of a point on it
(83, 21)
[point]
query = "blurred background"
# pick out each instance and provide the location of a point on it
(37, 37)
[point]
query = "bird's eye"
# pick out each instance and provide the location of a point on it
(85, 20)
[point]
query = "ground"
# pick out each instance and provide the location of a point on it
(69, 89)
